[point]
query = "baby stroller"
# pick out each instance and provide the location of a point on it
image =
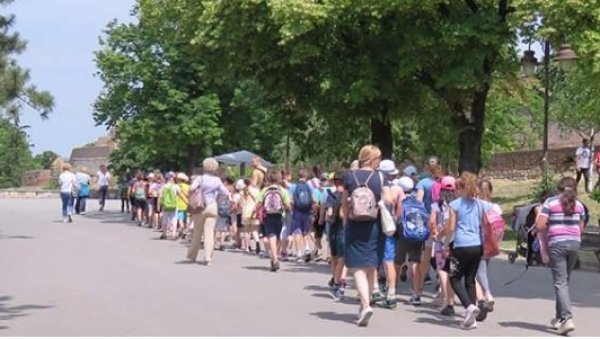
(523, 223)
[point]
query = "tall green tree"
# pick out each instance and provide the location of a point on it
(154, 90)
(16, 91)
(15, 154)
(45, 159)
(383, 60)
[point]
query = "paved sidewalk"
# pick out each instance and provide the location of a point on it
(102, 275)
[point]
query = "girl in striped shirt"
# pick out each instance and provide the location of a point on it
(561, 220)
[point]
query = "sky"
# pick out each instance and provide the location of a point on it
(62, 36)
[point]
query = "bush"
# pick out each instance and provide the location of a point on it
(595, 195)
(544, 188)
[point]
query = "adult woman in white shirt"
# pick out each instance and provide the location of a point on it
(204, 223)
(68, 184)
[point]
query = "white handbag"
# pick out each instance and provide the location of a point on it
(388, 224)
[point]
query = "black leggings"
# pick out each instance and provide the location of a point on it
(464, 264)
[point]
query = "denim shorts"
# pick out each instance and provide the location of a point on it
(301, 222)
(182, 215)
(389, 251)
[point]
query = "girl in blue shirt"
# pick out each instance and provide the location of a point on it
(466, 215)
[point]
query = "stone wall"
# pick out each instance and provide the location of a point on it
(36, 178)
(523, 165)
(92, 164)
(29, 193)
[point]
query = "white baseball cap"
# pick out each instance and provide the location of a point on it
(240, 185)
(388, 167)
(406, 183)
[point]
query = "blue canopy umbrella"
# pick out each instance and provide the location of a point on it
(240, 158)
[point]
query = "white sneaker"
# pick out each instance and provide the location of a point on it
(566, 327)
(465, 327)
(365, 316)
(555, 323)
(470, 317)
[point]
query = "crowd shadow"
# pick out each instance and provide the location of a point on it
(527, 326)
(8, 312)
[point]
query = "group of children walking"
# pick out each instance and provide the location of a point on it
(382, 225)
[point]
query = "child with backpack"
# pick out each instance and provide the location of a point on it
(167, 200)
(224, 208)
(139, 190)
(249, 222)
(124, 194)
(155, 183)
(238, 226)
(440, 216)
(319, 219)
(182, 204)
(303, 202)
(274, 201)
(335, 236)
(388, 276)
(496, 225)
(414, 231)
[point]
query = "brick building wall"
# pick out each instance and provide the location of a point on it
(526, 164)
(36, 178)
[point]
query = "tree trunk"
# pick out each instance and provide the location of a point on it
(471, 133)
(192, 158)
(381, 134)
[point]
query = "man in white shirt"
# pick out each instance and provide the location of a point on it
(583, 159)
(103, 181)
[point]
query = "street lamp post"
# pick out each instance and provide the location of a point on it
(566, 58)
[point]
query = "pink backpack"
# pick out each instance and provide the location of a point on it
(493, 233)
(436, 190)
(363, 206)
(273, 201)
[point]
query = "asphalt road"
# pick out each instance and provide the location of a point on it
(103, 276)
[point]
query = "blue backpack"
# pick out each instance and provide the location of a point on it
(415, 220)
(223, 206)
(303, 197)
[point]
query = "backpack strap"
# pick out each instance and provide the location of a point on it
(368, 179)
(355, 179)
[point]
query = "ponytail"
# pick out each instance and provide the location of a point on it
(568, 195)
(446, 197)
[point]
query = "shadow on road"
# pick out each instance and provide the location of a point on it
(346, 300)
(108, 217)
(333, 316)
(448, 322)
(17, 237)
(527, 326)
(257, 268)
(11, 312)
(321, 288)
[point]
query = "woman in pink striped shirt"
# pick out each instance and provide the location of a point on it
(562, 219)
